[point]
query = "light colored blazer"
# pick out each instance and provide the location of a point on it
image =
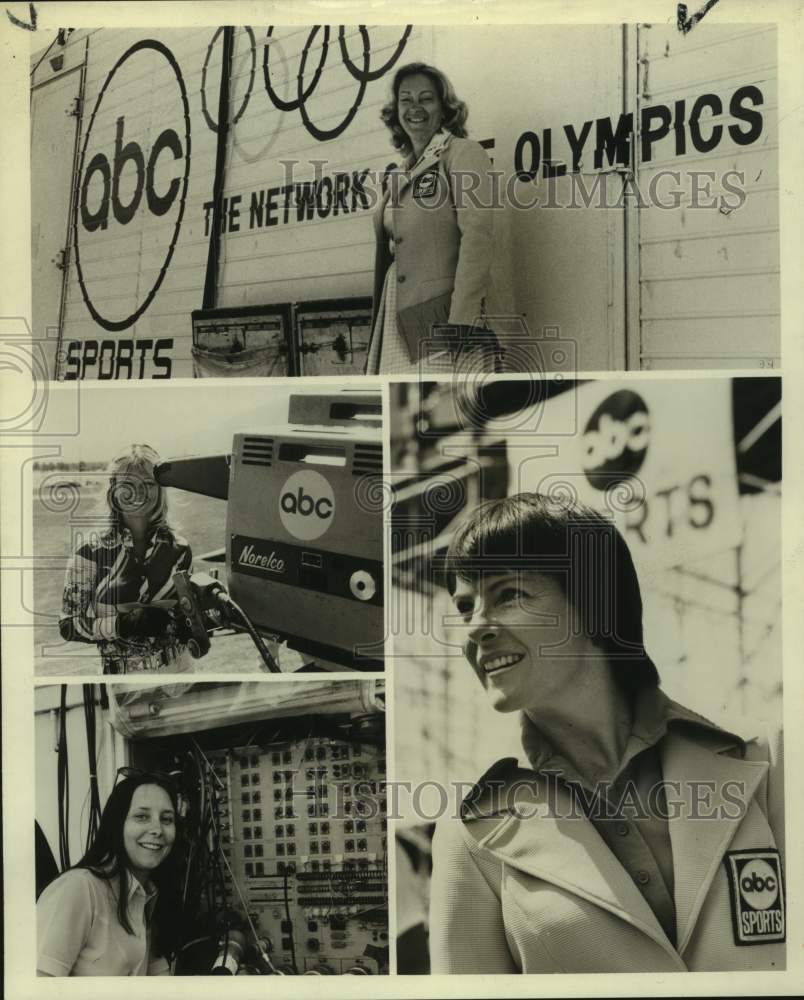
(545, 894)
(444, 240)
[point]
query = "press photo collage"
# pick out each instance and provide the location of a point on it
(392, 478)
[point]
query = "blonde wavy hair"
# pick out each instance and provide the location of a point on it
(455, 110)
(137, 462)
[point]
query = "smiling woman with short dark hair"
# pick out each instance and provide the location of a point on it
(597, 854)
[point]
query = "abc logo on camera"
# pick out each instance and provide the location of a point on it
(306, 505)
(757, 896)
(615, 440)
(132, 185)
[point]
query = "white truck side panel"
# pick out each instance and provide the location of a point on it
(304, 107)
(331, 254)
(709, 278)
(565, 264)
(53, 134)
(508, 91)
(124, 259)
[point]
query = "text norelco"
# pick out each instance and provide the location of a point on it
(271, 563)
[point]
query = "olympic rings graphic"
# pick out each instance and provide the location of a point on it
(363, 76)
(213, 125)
(294, 105)
(376, 73)
(312, 128)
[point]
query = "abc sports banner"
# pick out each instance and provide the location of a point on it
(656, 456)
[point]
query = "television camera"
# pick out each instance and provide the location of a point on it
(303, 555)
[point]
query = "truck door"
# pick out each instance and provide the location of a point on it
(559, 263)
(708, 277)
(53, 140)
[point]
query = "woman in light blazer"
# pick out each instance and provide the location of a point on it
(434, 232)
(636, 836)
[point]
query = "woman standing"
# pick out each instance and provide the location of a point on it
(434, 230)
(115, 580)
(116, 913)
(601, 853)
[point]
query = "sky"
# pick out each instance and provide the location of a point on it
(94, 421)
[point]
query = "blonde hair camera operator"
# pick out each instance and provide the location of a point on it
(119, 582)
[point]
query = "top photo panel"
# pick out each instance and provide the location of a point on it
(357, 199)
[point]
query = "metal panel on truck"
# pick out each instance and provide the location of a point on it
(596, 247)
(308, 148)
(563, 261)
(146, 162)
(54, 129)
(709, 276)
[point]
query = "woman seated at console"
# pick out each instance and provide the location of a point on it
(116, 913)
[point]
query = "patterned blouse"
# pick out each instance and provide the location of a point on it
(105, 573)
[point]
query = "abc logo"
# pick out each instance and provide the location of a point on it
(132, 185)
(129, 155)
(306, 505)
(615, 441)
(759, 884)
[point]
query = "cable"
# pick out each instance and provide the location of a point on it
(63, 781)
(268, 660)
(92, 755)
(217, 849)
(205, 862)
(216, 837)
(202, 809)
(252, 928)
(186, 885)
(290, 923)
(197, 877)
(193, 842)
(198, 874)
(198, 940)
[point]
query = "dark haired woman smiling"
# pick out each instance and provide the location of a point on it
(600, 852)
(116, 912)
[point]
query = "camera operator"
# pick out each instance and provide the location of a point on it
(117, 580)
